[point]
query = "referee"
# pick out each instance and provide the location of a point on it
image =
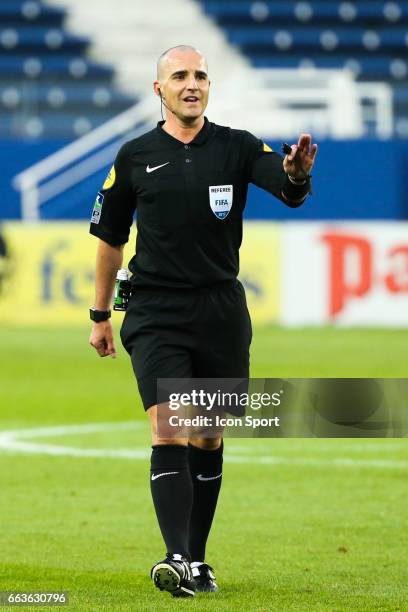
(187, 317)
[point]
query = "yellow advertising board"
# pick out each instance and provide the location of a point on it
(47, 272)
(260, 270)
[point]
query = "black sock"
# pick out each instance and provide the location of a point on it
(206, 470)
(172, 495)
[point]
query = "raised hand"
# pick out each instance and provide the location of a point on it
(299, 163)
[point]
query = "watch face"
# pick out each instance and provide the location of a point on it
(99, 315)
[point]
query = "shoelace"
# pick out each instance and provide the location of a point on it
(186, 568)
(210, 572)
(206, 570)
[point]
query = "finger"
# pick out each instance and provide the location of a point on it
(292, 155)
(100, 348)
(111, 349)
(305, 140)
(313, 151)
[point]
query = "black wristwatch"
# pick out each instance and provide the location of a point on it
(299, 181)
(99, 315)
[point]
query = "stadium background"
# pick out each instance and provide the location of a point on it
(327, 287)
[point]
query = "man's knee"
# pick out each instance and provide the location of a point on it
(206, 443)
(167, 441)
(157, 439)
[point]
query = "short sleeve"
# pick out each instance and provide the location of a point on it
(115, 204)
(264, 167)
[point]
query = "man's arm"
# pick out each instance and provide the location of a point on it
(297, 166)
(108, 261)
(286, 178)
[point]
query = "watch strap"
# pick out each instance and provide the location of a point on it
(97, 316)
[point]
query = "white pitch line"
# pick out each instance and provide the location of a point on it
(339, 462)
(14, 441)
(66, 430)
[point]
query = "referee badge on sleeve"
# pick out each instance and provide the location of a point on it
(221, 197)
(97, 209)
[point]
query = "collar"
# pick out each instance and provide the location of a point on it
(200, 138)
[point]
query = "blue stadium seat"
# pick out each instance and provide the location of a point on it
(373, 68)
(58, 96)
(29, 13)
(40, 41)
(401, 96)
(48, 85)
(60, 124)
(244, 11)
(368, 36)
(320, 39)
(57, 66)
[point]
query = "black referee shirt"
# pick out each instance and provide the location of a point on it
(189, 200)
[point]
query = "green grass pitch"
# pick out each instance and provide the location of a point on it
(303, 531)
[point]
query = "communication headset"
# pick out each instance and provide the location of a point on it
(162, 102)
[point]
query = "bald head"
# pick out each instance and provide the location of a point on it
(175, 52)
(182, 84)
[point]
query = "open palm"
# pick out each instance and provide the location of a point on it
(299, 163)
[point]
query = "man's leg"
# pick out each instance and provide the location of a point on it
(221, 352)
(172, 493)
(205, 461)
(171, 487)
(159, 343)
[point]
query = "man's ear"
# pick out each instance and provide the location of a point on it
(157, 88)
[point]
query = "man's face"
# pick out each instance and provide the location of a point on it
(184, 84)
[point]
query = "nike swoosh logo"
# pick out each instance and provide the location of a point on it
(201, 477)
(149, 169)
(156, 476)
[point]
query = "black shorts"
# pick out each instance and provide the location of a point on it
(200, 333)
